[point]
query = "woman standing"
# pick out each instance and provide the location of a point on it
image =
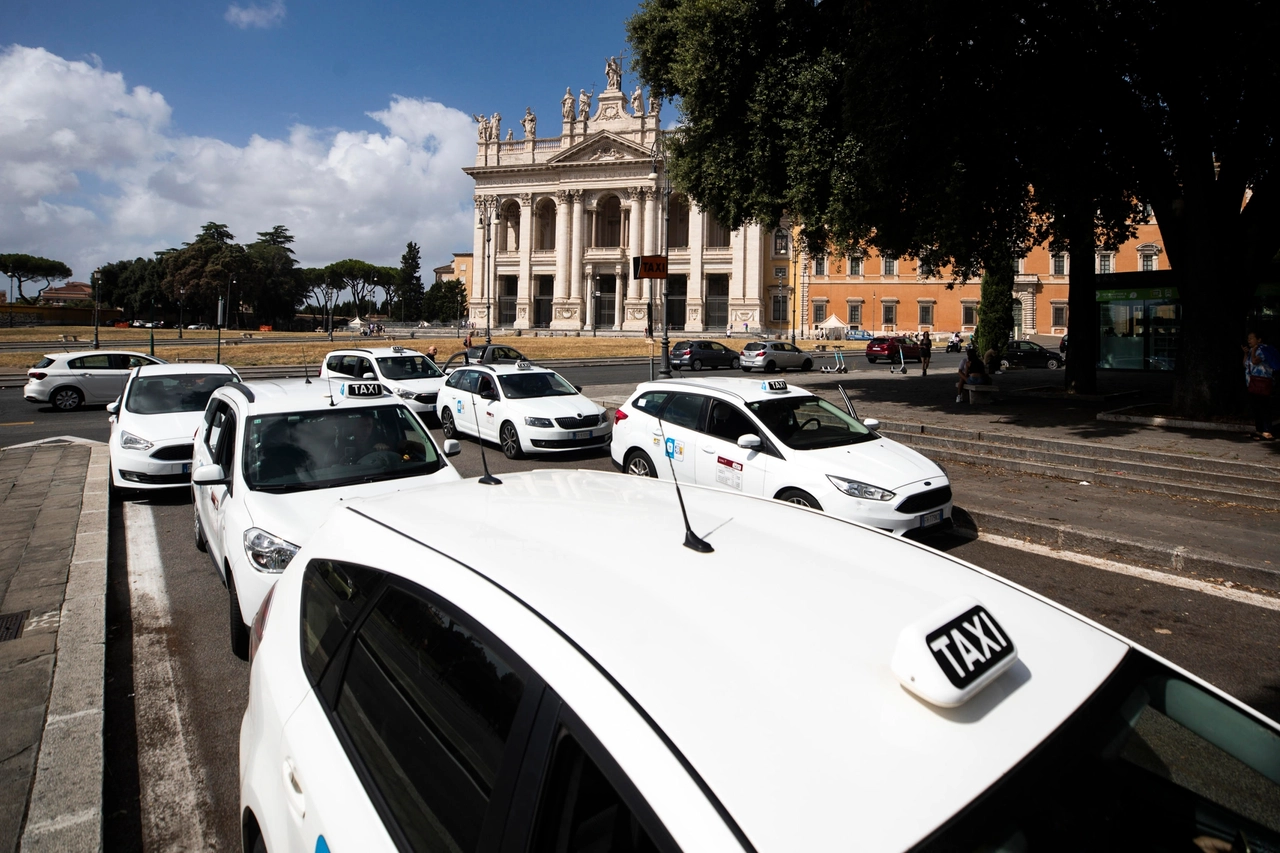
(926, 352)
(1260, 364)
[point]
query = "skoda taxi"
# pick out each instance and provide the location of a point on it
(408, 374)
(522, 407)
(776, 440)
(271, 458)
(512, 687)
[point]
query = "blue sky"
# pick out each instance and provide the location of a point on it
(125, 126)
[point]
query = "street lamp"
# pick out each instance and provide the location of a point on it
(179, 312)
(97, 279)
(791, 296)
(595, 307)
(657, 153)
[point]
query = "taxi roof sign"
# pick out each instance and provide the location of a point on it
(524, 365)
(361, 389)
(949, 656)
(776, 386)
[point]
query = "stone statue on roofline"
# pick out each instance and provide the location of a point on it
(613, 72)
(530, 123)
(482, 129)
(584, 104)
(637, 102)
(495, 127)
(566, 105)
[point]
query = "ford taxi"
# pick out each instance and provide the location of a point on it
(775, 440)
(512, 687)
(408, 374)
(523, 408)
(272, 457)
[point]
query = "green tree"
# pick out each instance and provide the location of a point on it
(274, 287)
(359, 277)
(444, 300)
(995, 313)
(323, 290)
(22, 269)
(210, 267)
(409, 291)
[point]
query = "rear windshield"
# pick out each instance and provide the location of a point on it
(809, 423)
(405, 367)
(1151, 762)
(755, 346)
(166, 395)
(44, 362)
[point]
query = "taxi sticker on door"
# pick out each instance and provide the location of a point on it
(728, 473)
(675, 450)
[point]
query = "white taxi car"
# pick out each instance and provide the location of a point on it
(271, 458)
(408, 374)
(68, 380)
(776, 440)
(154, 422)
(522, 407)
(524, 689)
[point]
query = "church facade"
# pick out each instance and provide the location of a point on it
(559, 218)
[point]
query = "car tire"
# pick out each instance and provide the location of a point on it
(66, 398)
(770, 367)
(870, 360)
(202, 544)
(239, 630)
(696, 365)
(746, 370)
(509, 438)
(799, 498)
(1004, 364)
(638, 464)
(735, 364)
(115, 494)
(1052, 364)
(808, 365)
(447, 426)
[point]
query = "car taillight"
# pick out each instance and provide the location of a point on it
(260, 623)
(619, 416)
(37, 375)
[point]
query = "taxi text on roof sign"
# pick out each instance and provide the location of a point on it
(948, 656)
(361, 389)
(774, 385)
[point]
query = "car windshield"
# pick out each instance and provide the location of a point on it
(1151, 762)
(336, 447)
(405, 367)
(809, 423)
(520, 386)
(181, 392)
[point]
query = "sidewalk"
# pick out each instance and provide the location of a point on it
(53, 537)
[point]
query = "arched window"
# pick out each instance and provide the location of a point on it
(544, 225)
(509, 227)
(678, 237)
(609, 222)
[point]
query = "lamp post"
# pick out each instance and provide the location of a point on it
(179, 312)
(461, 305)
(658, 153)
(97, 278)
(791, 296)
(595, 306)
(152, 324)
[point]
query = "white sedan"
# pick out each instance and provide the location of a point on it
(524, 408)
(154, 422)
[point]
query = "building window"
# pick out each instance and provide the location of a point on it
(855, 265)
(717, 234)
(926, 313)
(678, 236)
(819, 312)
(855, 315)
(1059, 264)
(780, 273)
(1148, 261)
(819, 266)
(1104, 263)
(889, 313)
(1060, 315)
(890, 266)
(781, 242)
(968, 314)
(779, 306)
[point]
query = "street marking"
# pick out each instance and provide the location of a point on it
(1238, 595)
(169, 799)
(19, 423)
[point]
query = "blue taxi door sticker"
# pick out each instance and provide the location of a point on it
(459, 404)
(322, 846)
(675, 450)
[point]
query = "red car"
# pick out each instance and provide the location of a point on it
(889, 348)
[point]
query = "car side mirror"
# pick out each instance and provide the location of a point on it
(488, 394)
(451, 447)
(368, 376)
(749, 442)
(578, 388)
(871, 423)
(210, 475)
(113, 408)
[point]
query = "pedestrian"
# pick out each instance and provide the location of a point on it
(729, 331)
(992, 362)
(431, 354)
(972, 372)
(1261, 361)
(926, 353)
(467, 341)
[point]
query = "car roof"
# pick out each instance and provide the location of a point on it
(767, 663)
(505, 369)
(296, 395)
(376, 352)
(748, 390)
(188, 368)
(78, 353)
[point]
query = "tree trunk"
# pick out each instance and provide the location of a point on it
(1082, 304)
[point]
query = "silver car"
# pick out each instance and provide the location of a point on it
(774, 355)
(68, 380)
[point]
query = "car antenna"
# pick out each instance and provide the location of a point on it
(488, 479)
(329, 381)
(306, 373)
(692, 540)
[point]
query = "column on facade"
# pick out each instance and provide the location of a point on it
(747, 293)
(524, 301)
(697, 276)
(575, 255)
(562, 245)
(635, 246)
(474, 288)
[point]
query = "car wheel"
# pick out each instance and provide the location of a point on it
(638, 464)
(202, 544)
(510, 440)
(746, 370)
(770, 367)
(66, 399)
(799, 498)
(1052, 364)
(735, 364)
(1004, 364)
(115, 494)
(239, 630)
(697, 365)
(870, 360)
(808, 364)
(447, 426)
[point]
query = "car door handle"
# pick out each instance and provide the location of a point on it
(293, 789)
(708, 448)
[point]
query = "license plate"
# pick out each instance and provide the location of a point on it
(186, 467)
(431, 407)
(930, 519)
(577, 435)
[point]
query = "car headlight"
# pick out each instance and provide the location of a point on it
(129, 441)
(267, 553)
(403, 393)
(860, 490)
(545, 423)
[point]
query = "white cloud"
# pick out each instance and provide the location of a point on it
(91, 172)
(253, 15)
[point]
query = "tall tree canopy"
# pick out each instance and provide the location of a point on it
(360, 277)
(409, 285)
(960, 134)
(22, 269)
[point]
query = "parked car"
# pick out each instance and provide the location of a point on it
(200, 326)
(68, 380)
(696, 355)
(484, 354)
(1028, 354)
(408, 374)
(892, 349)
(773, 355)
(1062, 347)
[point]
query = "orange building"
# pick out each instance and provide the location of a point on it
(880, 294)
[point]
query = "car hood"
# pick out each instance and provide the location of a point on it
(167, 427)
(882, 462)
(418, 386)
(558, 407)
(293, 515)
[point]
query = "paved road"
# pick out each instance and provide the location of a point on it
(1232, 644)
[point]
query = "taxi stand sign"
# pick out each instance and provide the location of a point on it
(947, 657)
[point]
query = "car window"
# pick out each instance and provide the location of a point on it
(484, 384)
(651, 401)
(463, 380)
(809, 423)
(44, 362)
(333, 595)
(728, 422)
(184, 392)
(337, 364)
(428, 707)
(714, 347)
(406, 367)
(683, 410)
(91, 362)
(364, 367)
(520, 386)
(216, 418)
(225, 450)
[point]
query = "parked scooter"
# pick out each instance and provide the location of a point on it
(954, 345)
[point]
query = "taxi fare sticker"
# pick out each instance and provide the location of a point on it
(729, 473)
(675, 450)
(968, 646)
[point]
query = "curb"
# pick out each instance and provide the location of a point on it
(1173, 560)
(66, 797)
